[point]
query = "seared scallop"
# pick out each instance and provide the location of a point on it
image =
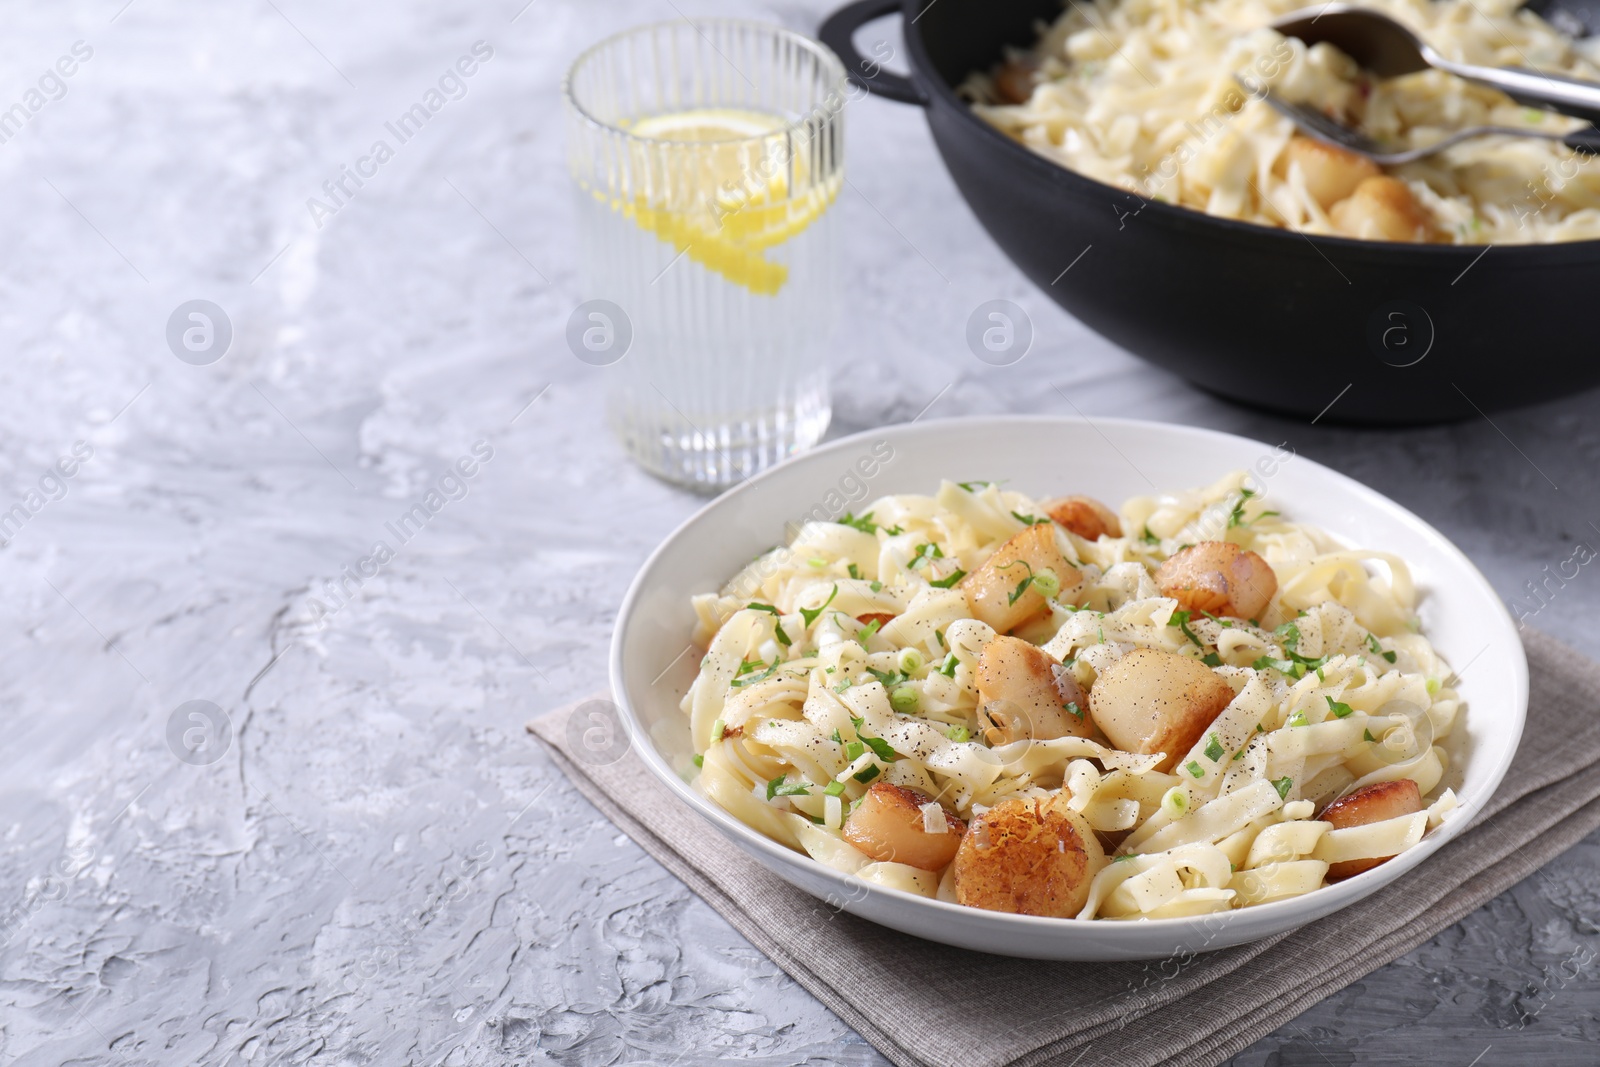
(1084, 516)
(1218, 577)
(1002, 593)
(1023, 691)
(889, 825)
(1377, 802)
(1028, 857)
(1152, 701)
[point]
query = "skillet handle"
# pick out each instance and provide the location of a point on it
(863, 72)
(1585, 141)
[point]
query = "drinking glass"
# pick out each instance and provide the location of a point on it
(706, 157)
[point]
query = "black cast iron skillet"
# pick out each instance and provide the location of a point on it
(1398, 333)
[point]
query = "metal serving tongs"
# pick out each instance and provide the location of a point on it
(1388, 49)
(1330, 131)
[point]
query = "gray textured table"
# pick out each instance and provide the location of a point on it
(380, 867)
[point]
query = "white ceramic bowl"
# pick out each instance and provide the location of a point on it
(1109, 459)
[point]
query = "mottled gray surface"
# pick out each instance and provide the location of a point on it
(382, 868)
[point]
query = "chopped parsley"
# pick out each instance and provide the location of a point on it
(777, 626)
(866, 525)
(1180, 619)
(1127, 856)
(1283, 785)
(1022, 586)
(1071, 708)
(1366, 735)
(1211, 659)
(1377, 649)
(1340, 711)
(782, 787)
(746, 667)
(1149, 538)
(855, 572)
(1236, 516)
(1215, 751)
(810, 614)
(946, 583)
(938, 635)
(890, 679)
(969, 486)
(880, 748)
(1027, 520)
(925, 554)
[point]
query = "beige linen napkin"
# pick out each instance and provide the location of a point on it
(922, 1003)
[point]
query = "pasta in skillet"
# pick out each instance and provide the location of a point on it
(1140, 94)
(1049, 708)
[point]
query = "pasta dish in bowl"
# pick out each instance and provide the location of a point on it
(1001, 720)
(1141, 95)
(1050, 709)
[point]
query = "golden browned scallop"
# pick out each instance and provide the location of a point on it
(1084, 516)
(1023, 692)
(1381, 208)
(1218, 577)
(888, 825)
(1013, 81)
(992, 588)
(1331, 173)
(1369, 804)
(1028, 857)
(1154, 701)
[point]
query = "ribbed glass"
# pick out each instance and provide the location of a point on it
(720, 254)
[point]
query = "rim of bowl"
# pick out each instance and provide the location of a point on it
(828, 61)
(1339, 894)
(924, 73)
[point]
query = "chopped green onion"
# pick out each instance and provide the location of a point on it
(853, 750)
(958, 734)
(855, 572)
(868, 630)
(866, 775)
(1298, 719)
(1433, 685)
(1128, 856)
(1175, 802)
(1214, 751)
(875, 585)
(699, 760)
(1195, 769)
(833, 789)
(910, 660)
(904, 699)
(717, 729)
(948, 668)
(1047, 583)
(781, 787)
